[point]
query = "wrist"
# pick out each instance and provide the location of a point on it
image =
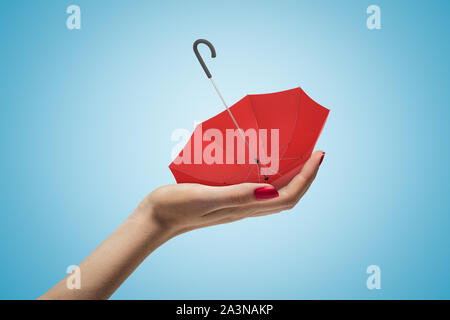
(146, 220)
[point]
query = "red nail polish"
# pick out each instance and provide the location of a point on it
(264, 193)
(321, 159)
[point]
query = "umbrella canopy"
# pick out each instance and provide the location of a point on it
(298, 119)
(262, 138)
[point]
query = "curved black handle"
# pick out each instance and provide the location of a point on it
(199, 57)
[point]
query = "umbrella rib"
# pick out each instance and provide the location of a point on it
(295, 126)
(248, 174)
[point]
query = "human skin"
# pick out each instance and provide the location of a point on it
(169, 211)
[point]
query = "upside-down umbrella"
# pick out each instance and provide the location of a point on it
(261, 138)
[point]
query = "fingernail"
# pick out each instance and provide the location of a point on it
(265, 193)
(321, 159)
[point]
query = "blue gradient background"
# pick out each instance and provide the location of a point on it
(86, 118)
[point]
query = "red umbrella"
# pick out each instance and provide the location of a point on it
(261, 138)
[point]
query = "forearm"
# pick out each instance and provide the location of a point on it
(108, 266)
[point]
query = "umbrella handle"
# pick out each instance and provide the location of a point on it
(199, 57)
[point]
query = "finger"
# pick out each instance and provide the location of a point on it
(240, 194)
(242, 197)
(294, 191)
(302, 181)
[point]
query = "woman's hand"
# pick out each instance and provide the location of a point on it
(183, 207)
(171, 210)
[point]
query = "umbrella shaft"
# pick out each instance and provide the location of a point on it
(234, 120)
